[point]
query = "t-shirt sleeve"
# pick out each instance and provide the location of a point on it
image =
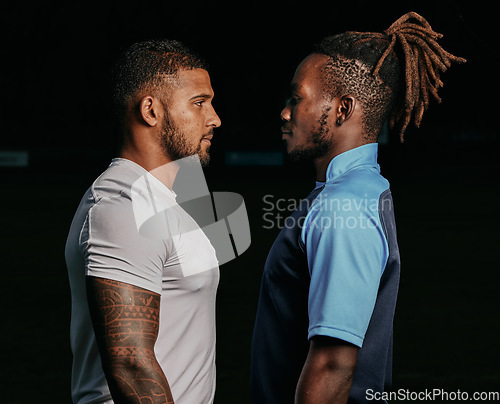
(114, 249)
(346, 252)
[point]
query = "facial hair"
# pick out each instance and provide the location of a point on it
(321, 143)
(175, 143)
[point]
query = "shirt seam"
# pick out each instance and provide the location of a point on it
(89, 214)
(337, 329)
(365, 165)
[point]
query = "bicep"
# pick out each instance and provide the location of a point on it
(333, 353)
(126, 323)
(346, 260)
(114, 249)
(124, 316)
(328, 371)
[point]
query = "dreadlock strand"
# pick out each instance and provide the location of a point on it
(434, 91)
(439, 52)
(409, 72)
(404, 125)
(446, 56)
(423, 102)
(412, 14)
(430, 70)
(417, 73)
(422, 99)
(424, 95)
(439, 59)
(454, 58)
(432, 81)
(384, 55)
(396, 117)
(419, 112)
(419, 30)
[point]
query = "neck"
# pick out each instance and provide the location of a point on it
(321, 163)
(151, 157)
(320, 166)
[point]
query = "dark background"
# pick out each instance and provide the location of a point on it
(56, 105)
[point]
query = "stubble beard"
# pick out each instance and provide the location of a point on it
(176, 146)
(321, 144)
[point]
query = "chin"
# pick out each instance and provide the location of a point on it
(296, 154)
(204, 159)
(295, 157)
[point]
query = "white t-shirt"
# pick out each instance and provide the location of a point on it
(129, 228)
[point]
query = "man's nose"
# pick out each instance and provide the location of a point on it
(214, 119)
(285, 113)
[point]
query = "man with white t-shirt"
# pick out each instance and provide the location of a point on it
(143, 291)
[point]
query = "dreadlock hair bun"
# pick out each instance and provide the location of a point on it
(393, 74)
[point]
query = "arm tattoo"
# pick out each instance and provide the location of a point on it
(126, 324)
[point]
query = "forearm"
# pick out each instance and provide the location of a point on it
(318, 386)
(327, 374)
(126, 325)
(134, 374)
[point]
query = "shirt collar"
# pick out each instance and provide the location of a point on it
(365, 155)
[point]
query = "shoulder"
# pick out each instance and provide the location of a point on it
(112, 212)
(131, 210)
(351, 202)
(358, 183)
(360, 188)
(118, 180)
(106, 206)
(123, 196)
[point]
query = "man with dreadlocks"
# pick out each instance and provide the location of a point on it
(323, 332)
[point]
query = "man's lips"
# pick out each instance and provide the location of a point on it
(285, 132)
(207, 138)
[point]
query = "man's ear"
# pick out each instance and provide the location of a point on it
(345, 109)
(149, 110)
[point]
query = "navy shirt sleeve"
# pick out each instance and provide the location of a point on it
(346, 254)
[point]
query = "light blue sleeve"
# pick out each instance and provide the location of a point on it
(346, 253)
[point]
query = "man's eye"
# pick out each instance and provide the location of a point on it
(199, 103)
(294, 99)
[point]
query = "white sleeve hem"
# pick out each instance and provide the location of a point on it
(135, 281)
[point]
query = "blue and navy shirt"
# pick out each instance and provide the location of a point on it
(332, 271)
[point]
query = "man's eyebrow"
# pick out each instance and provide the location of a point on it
(205, 96)
(295, 86)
